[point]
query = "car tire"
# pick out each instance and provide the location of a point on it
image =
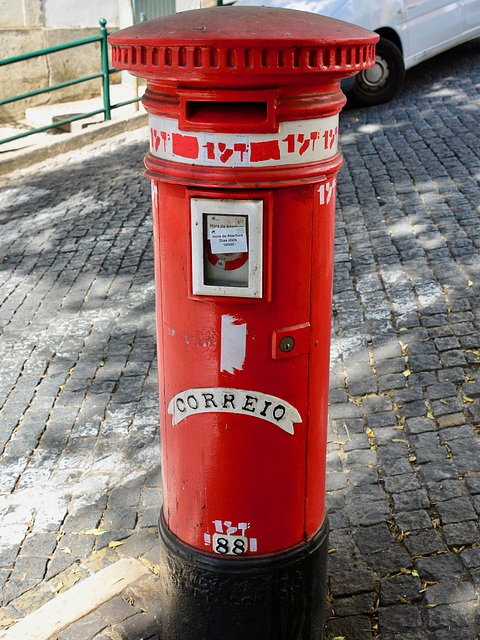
(383, 81)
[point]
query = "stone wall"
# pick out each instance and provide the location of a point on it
(31, 25)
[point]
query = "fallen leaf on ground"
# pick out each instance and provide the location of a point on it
(95, 532)
(115, 543)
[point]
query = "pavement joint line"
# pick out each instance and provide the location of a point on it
(77, 602)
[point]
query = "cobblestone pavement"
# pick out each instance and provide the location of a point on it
(404, 448)
(78, 384)
(78, 419)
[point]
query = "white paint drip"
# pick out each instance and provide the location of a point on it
(233, 344)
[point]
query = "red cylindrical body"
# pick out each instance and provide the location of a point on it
(238, 467)
(243, 159)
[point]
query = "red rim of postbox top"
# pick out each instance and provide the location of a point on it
(241, 70)
(243, 46)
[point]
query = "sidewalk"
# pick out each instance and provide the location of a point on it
(80, 469)
(30, 150)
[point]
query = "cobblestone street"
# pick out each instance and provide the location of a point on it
(78, 383)
(404, 457)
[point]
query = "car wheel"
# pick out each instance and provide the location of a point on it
(383, 81)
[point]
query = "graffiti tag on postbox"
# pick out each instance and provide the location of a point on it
(297, 142)
(227, 400)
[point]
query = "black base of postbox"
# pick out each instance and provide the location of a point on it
(281, 597)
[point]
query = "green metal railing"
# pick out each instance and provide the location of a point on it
(104, 74)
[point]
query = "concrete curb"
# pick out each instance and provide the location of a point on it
(111, 578)
(77, 602)
(19, 159)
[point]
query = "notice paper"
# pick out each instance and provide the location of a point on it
(227, 234)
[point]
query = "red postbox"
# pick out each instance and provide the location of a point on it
(243, 105)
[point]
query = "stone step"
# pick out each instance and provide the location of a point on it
(44, 115)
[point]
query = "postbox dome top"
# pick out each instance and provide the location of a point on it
(243, 23)
(252, 41)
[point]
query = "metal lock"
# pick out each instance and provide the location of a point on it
(286, 344)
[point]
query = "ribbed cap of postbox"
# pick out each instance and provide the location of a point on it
(242, 45)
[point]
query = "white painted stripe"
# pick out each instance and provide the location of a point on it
(233, 344)
(296, 142)
(77, 602)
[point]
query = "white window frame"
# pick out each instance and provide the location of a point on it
(253, 210)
